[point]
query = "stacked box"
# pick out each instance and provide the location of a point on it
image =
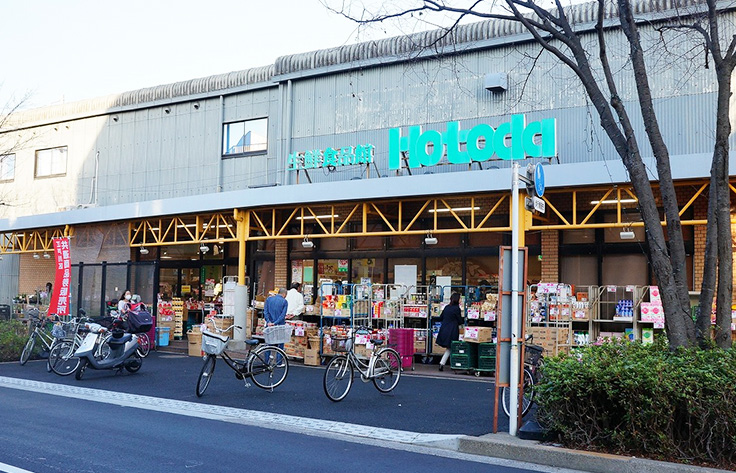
(487, 363)
(487, 349)
(478, 334)
(462, 362)
(465, 349)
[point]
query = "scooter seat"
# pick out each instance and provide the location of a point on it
(120, 341)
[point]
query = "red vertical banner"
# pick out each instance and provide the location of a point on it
(62, 281)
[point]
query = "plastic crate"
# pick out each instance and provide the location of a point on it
(487, 349)
(487, 363)
(464, 348)
(462, 362)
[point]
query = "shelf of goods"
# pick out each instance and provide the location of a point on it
(177, 305)
(561, 317)
(478, 304)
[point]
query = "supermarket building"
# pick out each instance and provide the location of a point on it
(345, 149)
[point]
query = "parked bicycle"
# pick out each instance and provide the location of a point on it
(68, 338)
(532, 361)
(265, 364)
(39, 333)
(383, 367)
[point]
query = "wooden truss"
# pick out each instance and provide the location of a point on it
(31, 241)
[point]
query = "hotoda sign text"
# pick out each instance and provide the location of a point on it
(511, 140)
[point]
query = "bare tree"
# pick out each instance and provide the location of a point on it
(10, 142)
(553, 28)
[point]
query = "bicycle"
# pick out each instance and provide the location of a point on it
(265, 364)
(144, 345)
(68, 338)
(532, 361)
(383, 367)
(38, 332)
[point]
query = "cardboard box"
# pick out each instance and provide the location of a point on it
(478, 334)
(194, 342)
(311, 357)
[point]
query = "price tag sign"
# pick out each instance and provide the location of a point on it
(611, 288)
(630, 288)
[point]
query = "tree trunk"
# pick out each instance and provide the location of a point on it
(707, 287)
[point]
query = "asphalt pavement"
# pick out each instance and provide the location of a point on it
(458, 406)
(449, 405)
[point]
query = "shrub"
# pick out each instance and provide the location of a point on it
(645, 400)
(13, 337)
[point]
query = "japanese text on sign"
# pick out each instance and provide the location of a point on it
(62, 280)
(331, 157)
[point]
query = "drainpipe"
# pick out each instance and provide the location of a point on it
(219, 153)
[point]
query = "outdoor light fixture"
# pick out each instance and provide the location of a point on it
(613, 201)
(429, 239)
(46, 255)
(144, 250)
(307, 243)
(35, 256)
(204, 248)
(627, 234)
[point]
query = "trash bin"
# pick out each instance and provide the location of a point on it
(163, 336)
(4, 312)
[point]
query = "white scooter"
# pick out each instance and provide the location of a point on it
(94, 352)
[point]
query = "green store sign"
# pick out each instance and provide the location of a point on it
(331, 157)
(509, 141)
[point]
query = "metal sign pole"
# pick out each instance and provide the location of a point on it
(514, 358)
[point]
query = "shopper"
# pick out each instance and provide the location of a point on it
(451, 319)
(295, 299)
(274, 311)
(124, 303)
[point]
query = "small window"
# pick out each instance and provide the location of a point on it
(7, 167)
(51, 162)
(246, 137)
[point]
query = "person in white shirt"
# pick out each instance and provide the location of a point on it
(124, 303)
(295, 301)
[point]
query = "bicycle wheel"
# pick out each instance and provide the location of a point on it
(526, 401)
(62, 360)
(28, 349)
(268, 367)
(386, 370)
(338, 378)
(205, 376)
(144, 345)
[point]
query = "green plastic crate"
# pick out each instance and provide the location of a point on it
(464, 348)
(487, 349)
(462, 362)
(487, 363)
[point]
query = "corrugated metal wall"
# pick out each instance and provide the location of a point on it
(9, 270)
(148, 153)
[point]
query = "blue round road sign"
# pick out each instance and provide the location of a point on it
(539, 180)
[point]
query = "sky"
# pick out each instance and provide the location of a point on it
(64, 51)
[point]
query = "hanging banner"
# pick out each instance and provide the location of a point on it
(61, 294)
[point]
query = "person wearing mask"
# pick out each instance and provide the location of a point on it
(451, 319)
(274, 311)
(295, 301)
(124, 303)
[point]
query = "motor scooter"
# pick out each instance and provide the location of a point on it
(121, 354)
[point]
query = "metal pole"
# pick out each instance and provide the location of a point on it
(514, 359)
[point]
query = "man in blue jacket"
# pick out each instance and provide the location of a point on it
(274, 311)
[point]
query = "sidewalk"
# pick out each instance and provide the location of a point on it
(512, 448)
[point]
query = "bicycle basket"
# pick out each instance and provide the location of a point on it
(276, 334)
(213, 343)
(532, 354)
(340, 344)
(58, 331)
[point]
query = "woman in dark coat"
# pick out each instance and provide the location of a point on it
(450, 321)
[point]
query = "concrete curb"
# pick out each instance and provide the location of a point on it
(512, 448)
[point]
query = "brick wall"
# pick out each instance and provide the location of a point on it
(700, 212)
(34, 273)
(550, 255)
(282, 263)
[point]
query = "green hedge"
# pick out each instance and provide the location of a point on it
(13, 337)
(644, 400)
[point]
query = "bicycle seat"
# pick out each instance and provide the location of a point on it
(252, 342)
(377, 343)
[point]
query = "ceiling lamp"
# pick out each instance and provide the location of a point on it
(36, 256)
(144, 250)
(204, 248)
(307, 243)
(46, 255)
(429, 239)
